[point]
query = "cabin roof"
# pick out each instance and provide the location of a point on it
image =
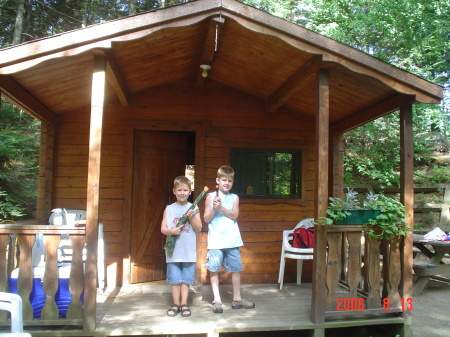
(247, 49)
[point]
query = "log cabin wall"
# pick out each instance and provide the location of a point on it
(46, 153)
(236, 120)
(70, 180)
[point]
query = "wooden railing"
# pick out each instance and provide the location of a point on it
(363, 275)
(17, 240)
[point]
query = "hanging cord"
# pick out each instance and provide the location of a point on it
(11, 221)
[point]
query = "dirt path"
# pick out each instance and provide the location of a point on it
(431, 311)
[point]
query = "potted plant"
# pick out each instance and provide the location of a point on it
(384, 216)
(392, 218)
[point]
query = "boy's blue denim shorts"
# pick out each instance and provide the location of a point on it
(230, 258)
(180, 272)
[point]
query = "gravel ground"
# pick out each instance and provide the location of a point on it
(431, 311)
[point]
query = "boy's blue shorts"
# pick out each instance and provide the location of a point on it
(180, 272)
(230, 258)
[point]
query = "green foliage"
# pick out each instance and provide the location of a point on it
(282, 8)
(434, 175)
(19, 162)
(411, 34)
(372, 152)
(50, 17)
(280, 169)
(337, 210)
(431, 219)
(9, 208)
(390, 222)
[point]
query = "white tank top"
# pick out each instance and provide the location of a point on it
(186, 244)
(223, 232)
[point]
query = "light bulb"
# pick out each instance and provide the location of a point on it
(205, 68)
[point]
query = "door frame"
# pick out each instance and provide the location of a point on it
(123, 272)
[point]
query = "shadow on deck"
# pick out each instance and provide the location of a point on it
(140, 310)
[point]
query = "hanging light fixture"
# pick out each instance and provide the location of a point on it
(205, 67)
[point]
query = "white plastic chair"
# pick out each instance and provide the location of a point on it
(289, 252)
(13, 304)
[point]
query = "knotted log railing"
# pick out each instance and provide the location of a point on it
(363, 275)
(24, 239)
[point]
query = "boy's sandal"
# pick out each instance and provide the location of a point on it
(185, 310)
(173, 310)
(217, 307)
(242, 304)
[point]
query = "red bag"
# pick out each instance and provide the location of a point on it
(303, 238)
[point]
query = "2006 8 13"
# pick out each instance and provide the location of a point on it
(357, 304)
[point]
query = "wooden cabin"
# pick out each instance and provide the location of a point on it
(126, 105)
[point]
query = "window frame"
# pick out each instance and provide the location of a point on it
(297, 170)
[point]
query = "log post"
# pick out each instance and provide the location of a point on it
(407, 198)
(321, 197)
(93, 189)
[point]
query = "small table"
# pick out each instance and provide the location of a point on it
(435, 266)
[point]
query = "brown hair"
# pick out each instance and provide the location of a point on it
(225, 171)
(181, 180)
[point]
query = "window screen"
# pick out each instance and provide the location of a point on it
(266, 173)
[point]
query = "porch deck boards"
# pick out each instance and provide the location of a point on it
(140, 310)
(275, 310)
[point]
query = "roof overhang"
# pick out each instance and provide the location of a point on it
(248, 49)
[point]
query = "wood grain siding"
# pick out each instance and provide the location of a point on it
(70, 179)
(227, 118)
(46, 153)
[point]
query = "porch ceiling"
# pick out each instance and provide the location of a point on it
(248, 49)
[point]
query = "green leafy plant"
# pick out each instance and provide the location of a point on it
(9, 209)
(19, 162)
(390, 222)
(339, 209)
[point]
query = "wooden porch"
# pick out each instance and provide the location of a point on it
(140, 310)
(361, 286)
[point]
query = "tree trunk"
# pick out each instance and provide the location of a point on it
(132, 8)
(18, 26)
(84, 15)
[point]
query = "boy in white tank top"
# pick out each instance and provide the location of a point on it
(224, 239)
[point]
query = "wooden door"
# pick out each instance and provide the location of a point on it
(159, 157)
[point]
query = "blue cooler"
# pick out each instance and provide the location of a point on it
(37, 295)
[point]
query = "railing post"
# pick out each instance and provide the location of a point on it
(23, 285)
(50, 309)
(25, 281)
(4, 240)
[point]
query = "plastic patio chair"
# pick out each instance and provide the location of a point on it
(13, 304)
(289, 252)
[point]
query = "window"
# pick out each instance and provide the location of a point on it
(266, 173)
